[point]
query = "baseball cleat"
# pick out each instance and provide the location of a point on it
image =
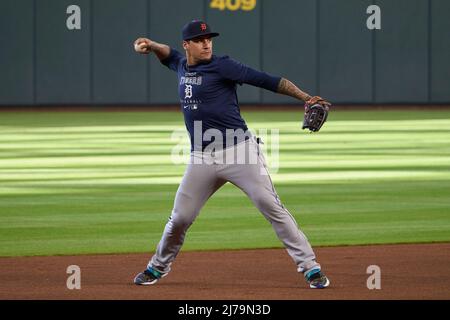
(148, 276)
(316, 279)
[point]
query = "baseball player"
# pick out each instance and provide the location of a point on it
(222, 147)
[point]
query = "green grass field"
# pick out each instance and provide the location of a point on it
(73, 183)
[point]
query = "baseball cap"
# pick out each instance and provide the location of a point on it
(197, 28)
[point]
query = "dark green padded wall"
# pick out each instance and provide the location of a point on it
(289, 44)
(62, 55)
(16, 52)
(345, 51)
(119, 76)
(401, 63)
(440, 51)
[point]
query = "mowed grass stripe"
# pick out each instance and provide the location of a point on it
(286, 178)
(105, 182)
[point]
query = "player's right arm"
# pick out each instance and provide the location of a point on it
(145, 46)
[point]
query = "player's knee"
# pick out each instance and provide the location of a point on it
(263, 202)
(269, 206)
(181, 220)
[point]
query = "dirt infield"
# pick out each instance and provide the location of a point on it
(419, 271)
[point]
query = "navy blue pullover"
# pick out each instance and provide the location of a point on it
(208, 94)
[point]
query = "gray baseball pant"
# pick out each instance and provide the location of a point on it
(244, 166)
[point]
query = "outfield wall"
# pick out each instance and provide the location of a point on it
(322, 45)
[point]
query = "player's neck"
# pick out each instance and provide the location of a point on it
(191, 61)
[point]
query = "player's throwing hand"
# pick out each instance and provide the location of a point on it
(143, 45)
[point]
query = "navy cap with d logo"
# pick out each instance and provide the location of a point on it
(197, 28)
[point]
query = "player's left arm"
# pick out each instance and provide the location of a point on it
(286, 87)
(240, 73)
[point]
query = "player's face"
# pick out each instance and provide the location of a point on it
(200, 49)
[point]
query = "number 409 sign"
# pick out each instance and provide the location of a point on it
(233, 5)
